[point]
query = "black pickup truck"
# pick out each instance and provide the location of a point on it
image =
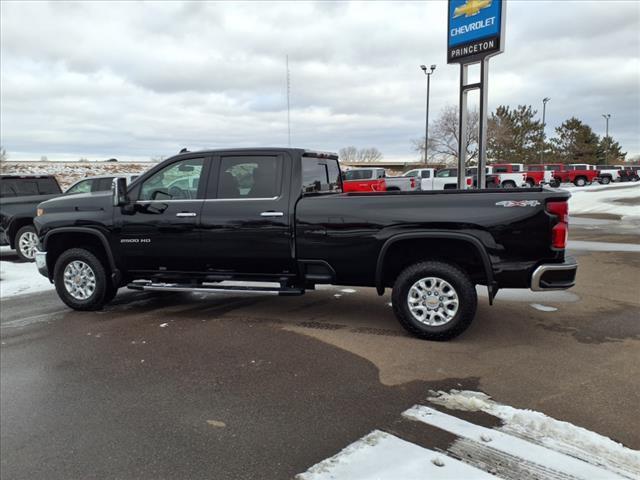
(200, 221)
(19, 198)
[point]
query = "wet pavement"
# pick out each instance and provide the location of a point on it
(197, 386)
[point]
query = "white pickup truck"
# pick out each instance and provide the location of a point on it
(442, 179)
(609, 173)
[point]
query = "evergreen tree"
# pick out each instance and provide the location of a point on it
(576, 143)
(610, 152)
(515, 136)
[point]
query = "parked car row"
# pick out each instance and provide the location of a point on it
(498, 175)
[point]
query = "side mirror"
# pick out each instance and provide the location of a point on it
(119, 191)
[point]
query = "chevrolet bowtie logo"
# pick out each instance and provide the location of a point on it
(471, 8)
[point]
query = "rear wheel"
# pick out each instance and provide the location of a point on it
(605, 180)
(81, 280)
(434, 300)
(530, 183)
(580, 182)
(27, 243)
(508, 184)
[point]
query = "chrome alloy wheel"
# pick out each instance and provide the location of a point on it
(28, 245)
(79, 280)
(433, 301)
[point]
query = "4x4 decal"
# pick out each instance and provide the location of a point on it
(518, 203)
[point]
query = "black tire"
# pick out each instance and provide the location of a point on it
(111, 293)
(531, 183)
(101, 292)
(605, 180)
(580, 182)
(508, 184)
(461, 283)
(555, 183)
(24, 243)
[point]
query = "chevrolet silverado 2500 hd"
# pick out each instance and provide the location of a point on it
(201, 219)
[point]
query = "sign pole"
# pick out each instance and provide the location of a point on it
(462, 127)
(475, 34)
(482, 131)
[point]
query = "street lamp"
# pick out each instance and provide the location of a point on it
(607, 116)
(544, 123)
(426, 126)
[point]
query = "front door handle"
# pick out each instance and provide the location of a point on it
(186, 214)
(272, 214)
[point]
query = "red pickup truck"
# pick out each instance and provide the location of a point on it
(579, 174)
(363, 180)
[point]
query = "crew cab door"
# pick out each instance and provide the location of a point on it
(246, 224)
(159, 233)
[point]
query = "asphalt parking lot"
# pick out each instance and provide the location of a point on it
(194, 386)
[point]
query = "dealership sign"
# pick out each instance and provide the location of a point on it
(475, 30)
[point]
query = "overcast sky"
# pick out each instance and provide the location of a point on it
(138, 80)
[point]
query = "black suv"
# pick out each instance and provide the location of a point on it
(19, 197)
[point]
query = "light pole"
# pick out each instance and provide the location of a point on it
(426, 126)
(607, 116)
(544, 123)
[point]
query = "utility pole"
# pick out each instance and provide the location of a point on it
(544, 124)
(288, 104)
(426, 125)
(607, 116)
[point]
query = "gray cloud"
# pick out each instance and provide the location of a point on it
(135, 80)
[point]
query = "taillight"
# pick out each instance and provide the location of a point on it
(413, 183)
(469, 181)
(560, 231)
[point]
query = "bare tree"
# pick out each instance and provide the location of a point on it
(348, 154)
(352, 154)
(443, 137)
(44, 158)
(3, 155)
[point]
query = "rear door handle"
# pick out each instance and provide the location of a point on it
(186, 214)
(272, 214)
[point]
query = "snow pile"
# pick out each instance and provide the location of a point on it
(21, 278)
(546, 431)
(382, 456)
(610, 199)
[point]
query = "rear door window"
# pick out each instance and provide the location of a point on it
(323, 176)
(8, 189)
(47, 186)
(249, 177)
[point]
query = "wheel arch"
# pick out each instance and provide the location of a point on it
(16, 224)
(470, 240)
(79, 237)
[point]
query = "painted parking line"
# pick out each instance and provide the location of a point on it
(528, 445)
(382, 456)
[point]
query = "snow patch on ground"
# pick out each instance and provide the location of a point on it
(21, 278)
(605, 200)
(382, 456)
(603, 246)
(546, 431)
(544, 308)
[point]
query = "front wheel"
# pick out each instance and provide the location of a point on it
(530, 183)
(605, 180)
(434, 300)
(81, 280)
(580, 182)
(27, 243)
(509, 184)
